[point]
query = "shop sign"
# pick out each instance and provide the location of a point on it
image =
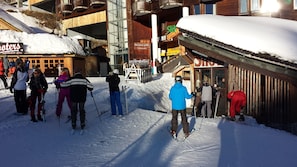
(11, 48)
(200, 63)
(142, 50)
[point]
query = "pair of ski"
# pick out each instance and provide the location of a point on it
(176, 138)
(234, 120)
(81, 132)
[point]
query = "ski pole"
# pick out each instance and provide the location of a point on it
(217, 104)
(124, 88)
(95, 104)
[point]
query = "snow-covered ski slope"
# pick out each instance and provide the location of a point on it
(140, 138)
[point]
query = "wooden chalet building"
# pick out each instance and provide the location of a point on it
(48, 63)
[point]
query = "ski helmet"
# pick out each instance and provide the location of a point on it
(178, 78)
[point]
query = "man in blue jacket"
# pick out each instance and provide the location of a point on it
(178, 95)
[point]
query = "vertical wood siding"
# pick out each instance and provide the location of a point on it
(271, 101)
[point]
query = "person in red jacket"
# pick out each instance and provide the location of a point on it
(2, 73)
(237, 103)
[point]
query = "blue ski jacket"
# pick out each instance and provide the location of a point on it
(178, 95)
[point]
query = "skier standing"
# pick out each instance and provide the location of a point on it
(178, 95)
(18, 87)
(63, 92)
(78, 93)
(6, 65)
(206, 99)
(2, 73)
(38, 86)
(27, 64)
(115, 96)
(237, 104)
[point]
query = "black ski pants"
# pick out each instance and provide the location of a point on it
(75, 107)
(20, 98)
(174, 121)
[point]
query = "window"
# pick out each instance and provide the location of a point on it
(197, 9)
(295, 4)
(255, 5)
(243, 6)
(208, 8)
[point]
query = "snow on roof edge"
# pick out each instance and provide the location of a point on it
(256, 34)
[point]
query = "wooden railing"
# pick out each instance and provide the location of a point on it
(166, 4)
(80, 5)
(141, 8)
(97, 3)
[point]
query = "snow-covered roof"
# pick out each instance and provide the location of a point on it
(277, 37)
(34, 39)
(43, 43)
(15, 22)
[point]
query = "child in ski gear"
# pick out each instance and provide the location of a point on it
(18, 87)
(38, 86)
(178, 95)
(237, 103)
(63, 92)
(2, 73)
(78, 93)
(206, 99)
(114, 91)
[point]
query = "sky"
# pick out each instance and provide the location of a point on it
(140, 137)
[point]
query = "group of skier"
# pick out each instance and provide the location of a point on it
(178, 95)
(73, 89)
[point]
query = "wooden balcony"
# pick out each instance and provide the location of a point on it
(141, 8)
(66, 8)
(167, 4)
(209, 1)
(97, 3)
(80, 5)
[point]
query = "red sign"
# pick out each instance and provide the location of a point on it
(199, 63)
(11, 48)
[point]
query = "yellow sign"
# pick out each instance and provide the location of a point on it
(173, 51)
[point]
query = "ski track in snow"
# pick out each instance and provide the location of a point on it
(140, 137)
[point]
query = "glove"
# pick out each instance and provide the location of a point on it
(58, 86)
(193, 94)
(11, 91)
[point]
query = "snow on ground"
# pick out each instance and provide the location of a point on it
(140, 138)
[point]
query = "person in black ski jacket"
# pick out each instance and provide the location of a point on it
(38, 86)
(78, 94)
(114, 91)
(18, 87)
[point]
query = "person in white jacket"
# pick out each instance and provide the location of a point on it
(206, 99)
(18, 87)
